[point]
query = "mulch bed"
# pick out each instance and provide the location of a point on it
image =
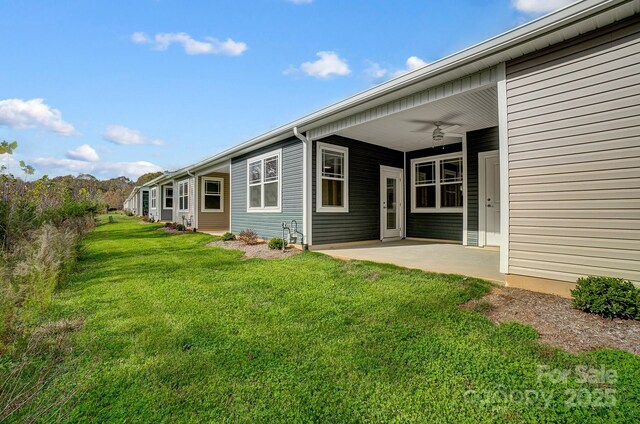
(557, 322)
(260, 250)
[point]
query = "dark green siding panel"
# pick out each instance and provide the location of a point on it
(362, 222)
(268, 225)
(441, 226)
(477, 141)
(167, 214)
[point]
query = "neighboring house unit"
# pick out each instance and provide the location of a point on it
(529, 142)
(138, 201)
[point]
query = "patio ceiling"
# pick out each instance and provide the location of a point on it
(403, 130)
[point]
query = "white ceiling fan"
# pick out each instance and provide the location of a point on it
(438, 129)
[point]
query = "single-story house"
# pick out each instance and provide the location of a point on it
(528, 142)
(138, 201)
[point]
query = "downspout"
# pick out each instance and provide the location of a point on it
(194, 223)
(306, 212)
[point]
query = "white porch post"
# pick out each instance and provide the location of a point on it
(465, 197)
(503, 132)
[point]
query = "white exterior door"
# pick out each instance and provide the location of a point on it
(391, 202)
(492, 200)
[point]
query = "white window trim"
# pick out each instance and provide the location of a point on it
(438, 208)
(262, 157)
(164, 197)
(345, 201)
(204, 186)
(186, 191)
(153, 199)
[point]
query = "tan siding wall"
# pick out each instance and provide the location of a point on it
(214, 221)
(574, 157)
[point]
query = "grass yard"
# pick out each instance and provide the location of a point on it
(175, 332)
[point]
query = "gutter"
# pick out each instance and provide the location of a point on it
(306, 186)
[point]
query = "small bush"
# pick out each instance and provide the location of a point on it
(180, 227)
(276, 243)
(228, 236)
(248, 236)
(128, 213)
(607, 297)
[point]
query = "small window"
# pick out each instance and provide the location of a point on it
(263, 182)
(332, 186)
(437, 184)
(212, 194)
(168, 198)
(183, 196)
(153, 196)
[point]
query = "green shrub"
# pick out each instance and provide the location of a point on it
(228, 236)
(607, 297)
(180, 227)
(248, 236)
(276, 243)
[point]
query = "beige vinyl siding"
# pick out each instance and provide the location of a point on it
(574, 157)
(214, 221)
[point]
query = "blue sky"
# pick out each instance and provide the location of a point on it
(125, 87)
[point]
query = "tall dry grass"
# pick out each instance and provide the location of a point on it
(32, 270)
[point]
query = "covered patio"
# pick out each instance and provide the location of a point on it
(448, 258)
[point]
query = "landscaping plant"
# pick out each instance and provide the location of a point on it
(228, 236)
(276, 243)
(248, 236)
(607, 297)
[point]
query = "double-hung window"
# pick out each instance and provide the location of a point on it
(212, 194)
(437, 184)
(263, 182)
(168, 198)
(183, 196)
(332, 178)
(153, 196)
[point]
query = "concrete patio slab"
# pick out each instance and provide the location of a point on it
(428, 256)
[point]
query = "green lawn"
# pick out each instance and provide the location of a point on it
(177, 332)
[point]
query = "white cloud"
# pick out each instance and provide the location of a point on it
(119, 134)
(209, 45)
(540, 6)
(34, 113)
(84, 153)
(12, 164)
(140, 38)
(376, 71)
(412, 63)
(130, 169)
(329, 64)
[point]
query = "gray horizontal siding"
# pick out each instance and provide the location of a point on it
(441, 226)
(268, 225)
(574, 151)
(477, 141)
(362, 222)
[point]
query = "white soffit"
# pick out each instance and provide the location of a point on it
(471, 111)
